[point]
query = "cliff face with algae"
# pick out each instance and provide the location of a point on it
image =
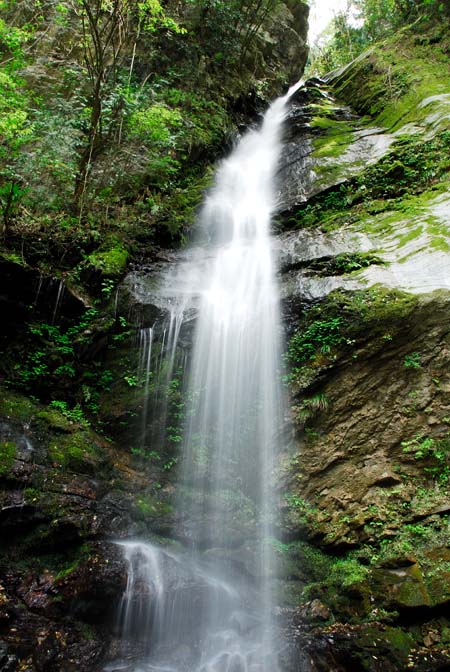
(364, 254)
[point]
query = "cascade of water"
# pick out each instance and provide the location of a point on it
(159, 362)
(144, 373)
(59, 297)
(218, 611)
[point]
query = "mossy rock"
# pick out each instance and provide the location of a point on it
(382, 641)
(8, 451)
(16, 407)
(437, 575)
(402, 587)
(77, 451)
(55, 421)
(390, 81)
(110, 262)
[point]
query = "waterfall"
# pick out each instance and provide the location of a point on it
(209, 608)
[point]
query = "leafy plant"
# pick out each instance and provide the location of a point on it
(74, 414)
(319, 337)
(435, 453)
(311, 406)
(146, 454)
(412, 361)
(167, 466)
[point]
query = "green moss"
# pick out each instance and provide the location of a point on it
(12, 257)
(55, 420)
(329, 149)
(16, 406)
(410, 235)
(319, 572)
(53, 506)
(300, 513)
(77, 450)
(374, 640)
(405, 181)
(408, 592)
(341, 583)
(440, 244)
(152, 507)
(110, 262)
(72, 564)
(7, 454)
(390, 81)
(41, 550)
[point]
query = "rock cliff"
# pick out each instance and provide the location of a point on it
(364, 246)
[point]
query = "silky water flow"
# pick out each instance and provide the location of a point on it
(209, 608)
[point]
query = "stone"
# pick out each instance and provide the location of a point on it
(319, 611)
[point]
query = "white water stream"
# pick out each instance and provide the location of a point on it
(210, 609)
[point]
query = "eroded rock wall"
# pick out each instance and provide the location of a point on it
(364, 258)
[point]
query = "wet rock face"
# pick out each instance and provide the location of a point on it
(23, 290)
(363, 254)
(283, 41)
(65, 493)
(381, 396)
(61, 621)
(354, 185)
(326, 142)
(368, 485)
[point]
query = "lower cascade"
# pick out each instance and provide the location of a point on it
(209, 608)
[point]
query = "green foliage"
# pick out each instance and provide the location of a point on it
(118, 137)
(329, 330)
(329, 577)
(16, 130)
(301, 512)
(344, 43)
(347, 262)
(156, 125)
(377, 19)
(176, 415)
(411, 538)
(310, 407)
(412, 361)
(151, 455)
(229, 28)
(204, 122)
(435, 454)
(348, 572)
(383, 16)
(73, 414)
(53, 350)
(318, 338)
(153, 17)
(52, 358)
(353, 261)
(132, 381)
(167, 466)
(12, 40)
